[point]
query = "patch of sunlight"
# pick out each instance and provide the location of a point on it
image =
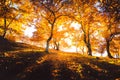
(75, 25)
(71, 49)
(29, 31)
(15, 6)
(61, 28)
(40, 61)
(111, 62)
(104, 54)
(96, 54)
(68, 41)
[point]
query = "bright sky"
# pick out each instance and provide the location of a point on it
(99, 8)
(29, 31)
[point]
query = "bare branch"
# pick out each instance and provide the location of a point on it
(59, 8)
(11, 21)
(49, 9)
(112, 35)
(46, 19)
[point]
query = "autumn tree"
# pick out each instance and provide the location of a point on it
(6, 9)
(85, 11)
(111, 9)
(15, 16)
(51, 11)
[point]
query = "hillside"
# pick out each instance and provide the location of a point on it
(7, 45)
(36, 65)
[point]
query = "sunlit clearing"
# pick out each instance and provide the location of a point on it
(29, 31)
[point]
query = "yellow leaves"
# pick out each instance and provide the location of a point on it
(6, 54)
(79, 69)
(29, 69)
(88, 10)
(55, 72)
(18, 62)
(74, 66)
(41, 60)
(111, 62)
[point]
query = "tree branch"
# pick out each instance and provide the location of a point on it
(11, 21)
(46, 19)
(112, 35)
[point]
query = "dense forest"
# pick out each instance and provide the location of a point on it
(37, 31)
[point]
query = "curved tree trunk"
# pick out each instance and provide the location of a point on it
(108, 49)
(48, 42)
(87, 42)
(108, 43)
(50, 37)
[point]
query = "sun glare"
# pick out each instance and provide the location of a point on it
(29, 31)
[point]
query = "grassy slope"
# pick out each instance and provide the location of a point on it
(24, 62)
(7, 45)
(35, 65)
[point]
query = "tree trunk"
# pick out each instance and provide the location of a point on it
(57, 46)
(108, 43)
(89, 49)
(87, 42)
(50, 37)
(4, 34)
(89, 45)
(5, 30)
(5, 24)
(47, 44)
(108, 49)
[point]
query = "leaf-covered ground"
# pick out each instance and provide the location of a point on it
(37, 65)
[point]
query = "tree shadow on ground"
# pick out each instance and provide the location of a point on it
(67, 74)
(46, 71)
(25, 67)
(90, 73)
(42, 72)
(10, 67)
(110, 71)
(100, 70)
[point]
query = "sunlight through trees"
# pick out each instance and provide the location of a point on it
(83, 26)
